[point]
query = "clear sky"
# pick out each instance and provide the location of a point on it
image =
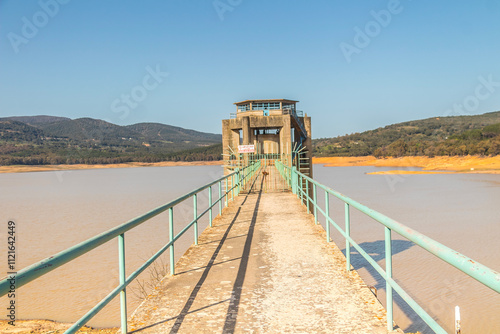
(353, 65)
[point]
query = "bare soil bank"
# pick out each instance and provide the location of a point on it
(45, 168)
(444, 164)
(47, 326)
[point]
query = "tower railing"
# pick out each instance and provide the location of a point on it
(295, 114)
(481, 273)
(232, 184)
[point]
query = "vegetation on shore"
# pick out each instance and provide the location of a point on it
(50, 140)
(438, 136)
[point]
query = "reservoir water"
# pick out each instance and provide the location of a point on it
(460, 211)
(54, 210)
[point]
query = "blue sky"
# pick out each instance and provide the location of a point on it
(353, 65)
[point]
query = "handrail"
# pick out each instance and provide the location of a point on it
(481, 273)
(296, 117)
(239, 179)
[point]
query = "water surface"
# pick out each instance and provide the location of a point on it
(460, 211)
(55, 210)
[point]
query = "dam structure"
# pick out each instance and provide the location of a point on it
(270, 129)
(264, 264)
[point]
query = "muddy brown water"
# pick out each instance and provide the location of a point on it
(460, 211)
(54, 210)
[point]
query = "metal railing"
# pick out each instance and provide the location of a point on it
(300, 185)
(237, 161)
(238, 181)
(293, 112)
(296, 115)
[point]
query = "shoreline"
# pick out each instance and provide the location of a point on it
(435, 165)
(49, 168)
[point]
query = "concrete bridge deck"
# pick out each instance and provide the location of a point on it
(264, 267)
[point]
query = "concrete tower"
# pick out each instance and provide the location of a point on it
(267, 129)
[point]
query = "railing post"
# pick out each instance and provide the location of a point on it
(301, 188)
(232, 187)
(123, 292)
(195, 214)
(242, 177)
(171, 234)
(289, 175)
(238, 180)
(210, 205)
(327, 221)
(225, 191)
(298, 180)
(307, 195)
(388, 271)
(220, 198)
(315, 205)
(290, 183)
(348, 232)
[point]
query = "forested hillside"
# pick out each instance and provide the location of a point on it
(169, 133)
(38, 140)
(455, 135)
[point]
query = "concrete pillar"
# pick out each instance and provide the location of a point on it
(227, 142)
(226, 136)
(308, 142)
(286, 136)
(246, 130)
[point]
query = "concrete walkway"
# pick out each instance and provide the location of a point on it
(264, 267)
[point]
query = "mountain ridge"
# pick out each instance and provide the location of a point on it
(92, 128)
(429, 136)
(36, 119)
(56, 140)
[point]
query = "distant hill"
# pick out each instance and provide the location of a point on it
(58, 140)
(163, 132)
(36, 120)
(84, 129)
(432, 136)
(11, 130)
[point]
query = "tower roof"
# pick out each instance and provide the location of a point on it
(266, 100)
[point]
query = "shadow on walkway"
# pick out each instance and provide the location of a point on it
(234, 301)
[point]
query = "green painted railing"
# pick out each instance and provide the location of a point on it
(299, 183)
(233, 184)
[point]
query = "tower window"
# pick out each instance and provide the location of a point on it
(244, 107)
(266, 106)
